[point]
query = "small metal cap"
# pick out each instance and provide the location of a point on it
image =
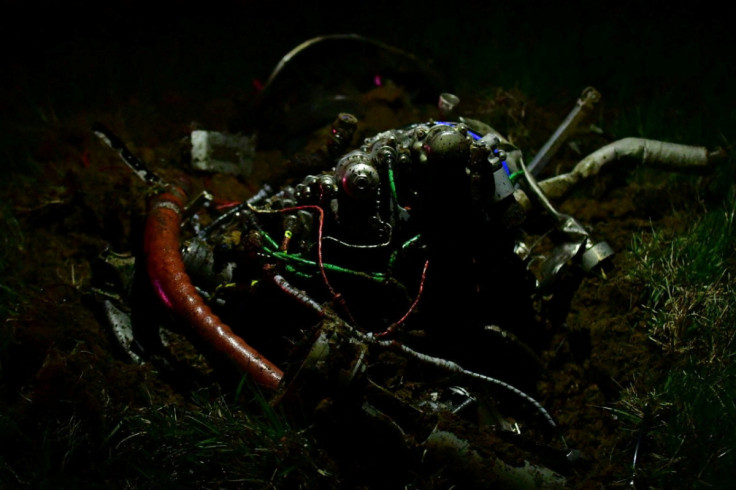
(596, 255)
(447, 104)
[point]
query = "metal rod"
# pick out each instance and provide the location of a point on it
(135, 163)
(582, 108)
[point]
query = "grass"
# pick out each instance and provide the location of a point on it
(214, 442)
(207, 441)
(10, 243)
(684, 412)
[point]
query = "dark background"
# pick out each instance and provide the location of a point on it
(74, 55)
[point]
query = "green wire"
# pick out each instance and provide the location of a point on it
(516, 175)
(298, 273)
(410, 241)
(376, 276)
(270, 240)
(392, 184)
(273, 251)
(395, 253)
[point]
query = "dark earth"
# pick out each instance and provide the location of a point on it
(153, 77)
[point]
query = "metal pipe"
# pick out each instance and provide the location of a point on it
(582, 108)
(669, 156)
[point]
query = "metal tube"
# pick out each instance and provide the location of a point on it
(669, 156)
(136, 164)
(653, 153)
(582, 108)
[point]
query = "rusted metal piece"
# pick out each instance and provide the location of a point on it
(173, 286)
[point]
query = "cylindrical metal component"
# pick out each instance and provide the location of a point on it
(199, 260)
(360, 180)
(596, 255)
(583, 107)
(343, 129)
(357, 176)
(652, 153)
(447, 104)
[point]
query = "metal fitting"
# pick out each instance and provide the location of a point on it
(357, 176)
(447, 104)
(597, 256)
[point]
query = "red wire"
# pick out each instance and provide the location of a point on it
(226, 205)
(401, 320)
(335, 295)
